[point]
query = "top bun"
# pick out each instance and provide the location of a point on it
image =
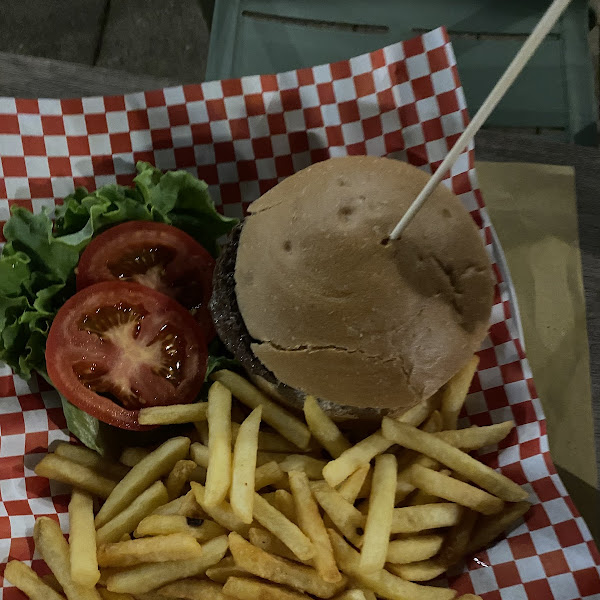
(337, 312)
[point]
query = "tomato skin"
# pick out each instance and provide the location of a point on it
(124, 338)
(181, 269)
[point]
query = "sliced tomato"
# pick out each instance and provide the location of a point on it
(116, 347)
(156, 255)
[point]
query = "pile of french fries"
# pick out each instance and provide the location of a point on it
(268, 506)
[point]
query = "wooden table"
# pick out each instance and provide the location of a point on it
(34, 77)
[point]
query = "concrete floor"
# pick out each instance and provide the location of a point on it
(154, 37)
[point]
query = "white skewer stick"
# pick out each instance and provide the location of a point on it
(516, 66)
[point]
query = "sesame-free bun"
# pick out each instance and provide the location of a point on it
(336, 312)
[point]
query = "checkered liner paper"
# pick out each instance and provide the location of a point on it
(243, 136)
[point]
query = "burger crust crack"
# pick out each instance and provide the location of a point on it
(257, 346)
(456, 286)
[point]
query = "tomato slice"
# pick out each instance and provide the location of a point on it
(118, 346)
(156, 255)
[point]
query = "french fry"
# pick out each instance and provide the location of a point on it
(222, 513)
(354, 594)
(446, 487)
(311, 524)
(184, 505)
(50, 580)
(218, 472)
(175, 546)
(421, 497)
(170, 508)
(106, 595)
(489, 528)
(453, 550)
(251, 589)
(324, 430)
(425, 570)
(178, 477)
(63, 469)
(283, 501)
(357, 456)
(457, 540)
(413, 519)
(265, 540)
(132, 456)
(204, 530)
(152, 467)
(82, 540)
(470, 597)
(88, 458)
(365, 490)
(382, 582)
(105, 574)
(434, 422)
(224, 569)
(262, 458)
(267, 442)
(268, 474)
(414, 548)
(348, 519)
(352, 486)
(54, 549)
(313, 467)
(25, 579)
(278, 570)
(192, 589)
(190, 508)
(281, 420)
(153, 595)
(199, 454)
(202, 430)
(289, 533)
(434, 447)
(369, 594)
(241, 494)
(378, 525)
(404, 485)
(455, 392)
(169, 524)
(474, 438)
(127, 520)
(173, 414)
(416, 415)
(144, 578)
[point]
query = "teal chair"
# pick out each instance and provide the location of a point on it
(553, 96)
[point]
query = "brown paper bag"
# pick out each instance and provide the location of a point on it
(533, 209)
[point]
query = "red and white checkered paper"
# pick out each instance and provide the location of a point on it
(243, 136)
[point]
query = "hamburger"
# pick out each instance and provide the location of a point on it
(312, 297)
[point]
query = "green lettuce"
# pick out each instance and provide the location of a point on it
(38, 261)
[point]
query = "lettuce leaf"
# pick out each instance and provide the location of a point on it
(38, 261)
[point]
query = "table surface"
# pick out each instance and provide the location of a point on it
(24, 76)
(503, 147)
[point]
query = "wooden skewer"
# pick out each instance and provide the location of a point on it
(516, 66)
